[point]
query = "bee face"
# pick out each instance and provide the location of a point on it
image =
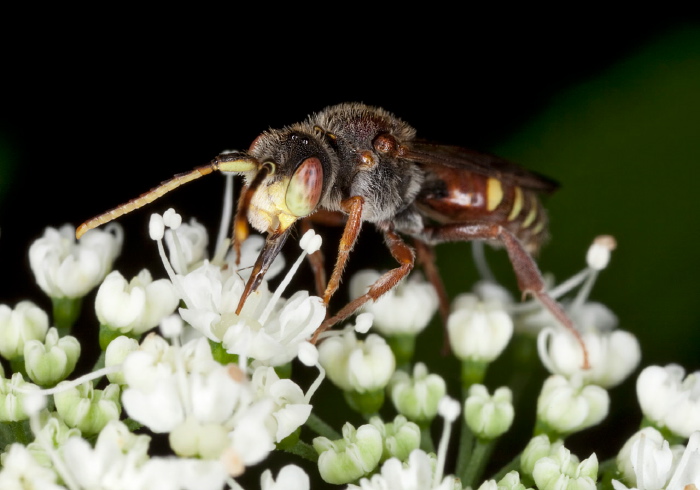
(299, 170)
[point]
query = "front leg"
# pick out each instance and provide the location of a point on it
(529, 278)
(316, 259)
(404, 256)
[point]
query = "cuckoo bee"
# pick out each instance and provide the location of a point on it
(352, 163)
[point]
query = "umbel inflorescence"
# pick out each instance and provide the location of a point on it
(223, 388)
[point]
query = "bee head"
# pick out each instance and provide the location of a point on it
(291, 180)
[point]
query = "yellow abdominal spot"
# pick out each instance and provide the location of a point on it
(517, 204)
(494, 193)
(538, 227)
(531, 215)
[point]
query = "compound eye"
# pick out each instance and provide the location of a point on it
(305, 187)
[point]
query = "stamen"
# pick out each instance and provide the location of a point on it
(449, 409)
(67, 385)
(156, 227)
(308, 355)
(482, 266)
(222, 241)
(310, 243)
(542, 351)
(172, 275)
(555, 293)
(181, 375)
(363, 322)
(316, 384)
(597, 257)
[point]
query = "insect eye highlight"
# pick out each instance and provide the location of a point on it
(305, 187)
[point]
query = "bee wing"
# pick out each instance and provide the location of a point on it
(427, 153)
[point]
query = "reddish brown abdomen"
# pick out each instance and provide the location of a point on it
(452, 195)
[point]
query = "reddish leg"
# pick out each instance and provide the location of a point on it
(526, 271)
(353, 207)
(316, 259)
(404, 256)
(425, 256)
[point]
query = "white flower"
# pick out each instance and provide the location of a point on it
(290, 408)
(157, 398)
(119, 460)
(612, 354)
(209, 409)
(20, 470)
(416, 474)
(669, 398)
(646, 460)
(478, 330)
(290, 476)
(567, 406)
(357, 365)
(117, 350)
(20, 324)
(276, 341)
(212, 296)
(655, 466)
(687, 471)
(64, 268)
(136, 306)
(405, 309)
(191, 248)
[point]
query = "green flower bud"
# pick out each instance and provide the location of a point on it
(488, 416)
(55, 432)
(417, 397)
(511, 481)
(19, 325)
(53, 360)
(88, 409)
(539, 447)
(400, 437)
(12, 401)
(355, 455)
(562, 471)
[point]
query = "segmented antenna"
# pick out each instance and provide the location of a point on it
(226, 162)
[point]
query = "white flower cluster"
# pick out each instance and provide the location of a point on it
(218, 384)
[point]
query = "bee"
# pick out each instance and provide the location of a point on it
(352, 163)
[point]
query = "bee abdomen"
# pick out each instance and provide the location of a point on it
(519, 210)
